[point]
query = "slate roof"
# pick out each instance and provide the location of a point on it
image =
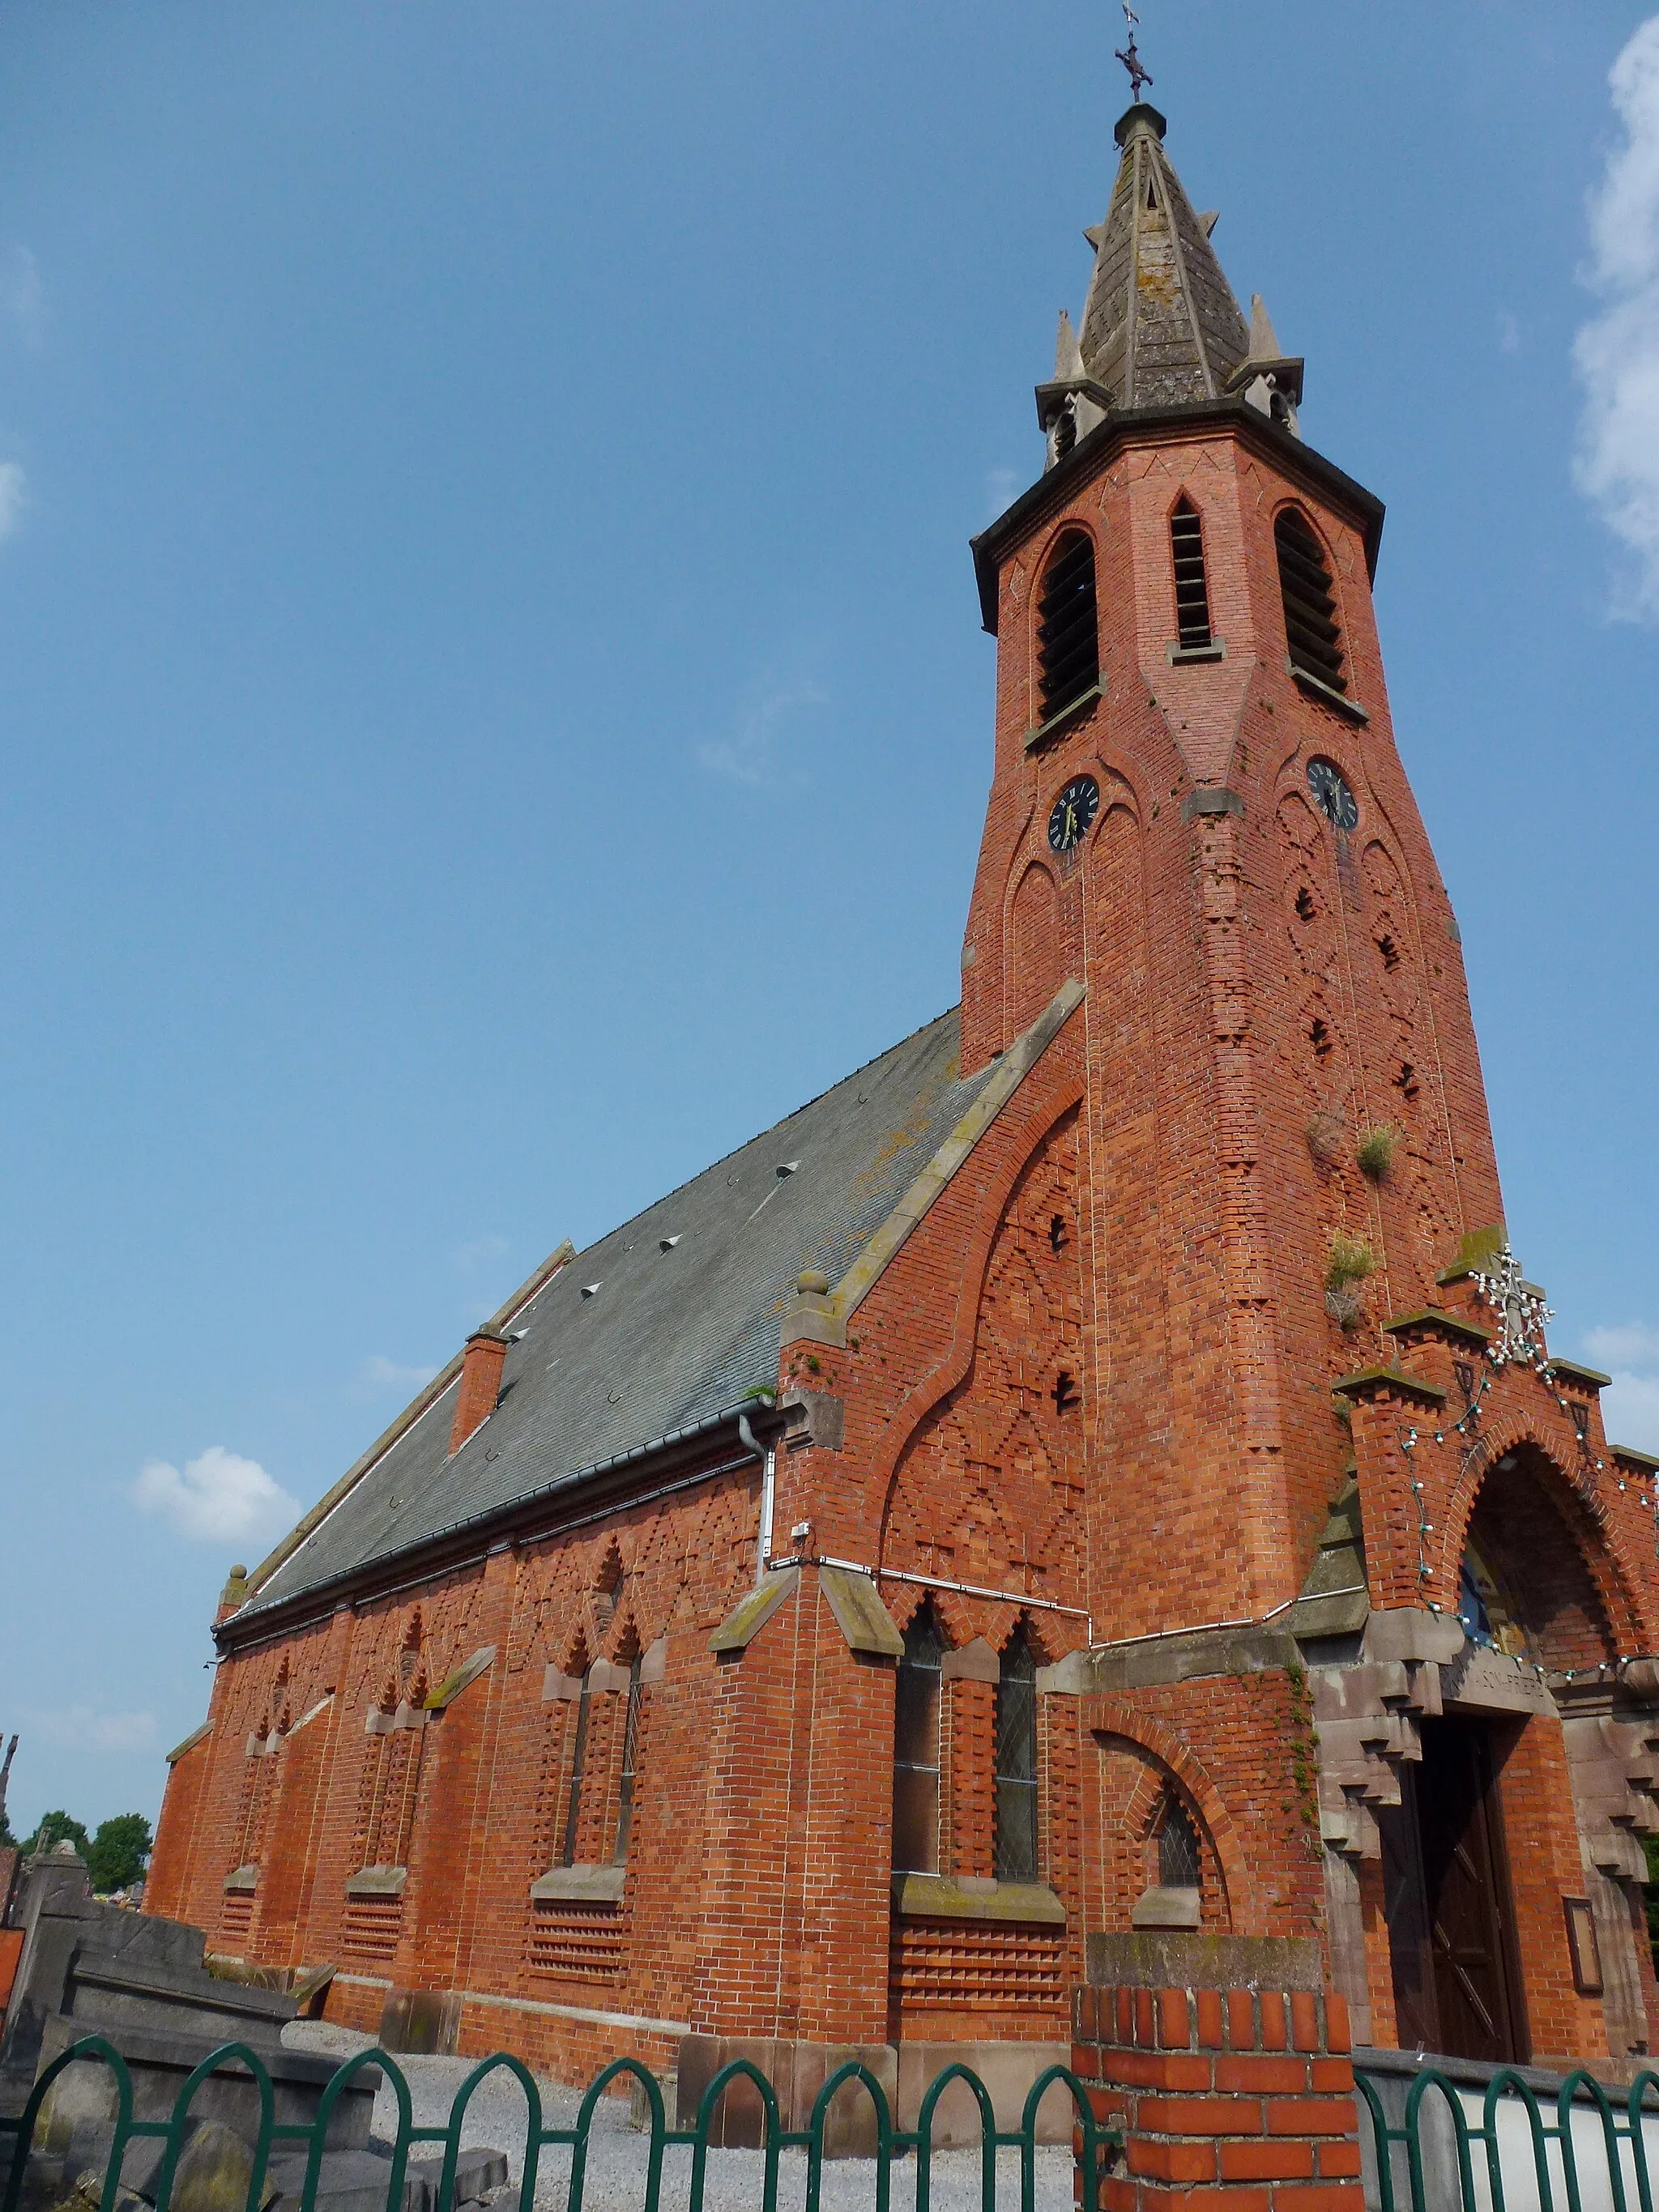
(668, 1338)
(1161, 328)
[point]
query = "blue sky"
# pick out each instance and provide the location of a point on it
(494, 702)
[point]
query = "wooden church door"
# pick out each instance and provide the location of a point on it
(1451, 1917)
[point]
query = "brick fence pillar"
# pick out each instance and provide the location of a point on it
(1242, 2100)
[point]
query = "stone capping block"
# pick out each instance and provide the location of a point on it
(1369, 1382)
(583, 1884)
(468, 1672)
(1184, 656)
(1408, 1632)
(653, 1663)
(605, 1676)
(1192, 1657)
(975, 1663)
(377, 1882)
(243, 1880)
(1211, 799)
(555, 1685)
(1591, 1379)
(1431, 1322)
(942, 1897)
(861, 1617)
(751, 1614)
(190, 1742)
(821, 1318)
(1170, 1959)
(821, 1413)
(1627, 1455)
(313, 1711)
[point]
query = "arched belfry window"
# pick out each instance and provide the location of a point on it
(1016, 1763)
(915, 1747)
(1068, 638)
(1192, 585)
(1304, 581)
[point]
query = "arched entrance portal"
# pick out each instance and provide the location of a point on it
(1528, 1603)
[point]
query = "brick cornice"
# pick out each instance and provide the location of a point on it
(1430, 1324)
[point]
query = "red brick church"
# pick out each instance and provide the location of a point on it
(1093, 1478)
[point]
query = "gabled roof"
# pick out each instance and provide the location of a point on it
(1161, 328)
(660, 1328)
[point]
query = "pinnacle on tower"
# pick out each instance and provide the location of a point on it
(1161, 327)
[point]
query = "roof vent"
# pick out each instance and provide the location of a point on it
(788, 1167)
(589, 1289)
(666, 1243)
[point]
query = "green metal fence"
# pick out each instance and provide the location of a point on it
(1094, 2144)
(1521, 2153)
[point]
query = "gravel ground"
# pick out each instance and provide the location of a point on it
(617, 2150)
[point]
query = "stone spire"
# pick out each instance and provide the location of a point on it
(1161, 327)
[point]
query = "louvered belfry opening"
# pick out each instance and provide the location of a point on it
(1192, 589)
(1068, 639)
(1311, 630)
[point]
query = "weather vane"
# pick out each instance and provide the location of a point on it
(1130, 59)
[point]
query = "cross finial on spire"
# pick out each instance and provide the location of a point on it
(1130, 57)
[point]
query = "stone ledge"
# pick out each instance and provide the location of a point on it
(751, 1614)
(940, 1897)
(1325, 695)
(1591, 1377)
(243, 1880)
(581, 1885)
(1431, 1320)
(1365, 1380)
(1212, 799)
(1068, 713)
(377, 1882)
(1187, 1656)
(1649, 1461)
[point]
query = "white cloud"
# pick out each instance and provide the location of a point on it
(380, 1373)
(220, 1498)
(1617, 354)
(1630, 1407)
(749, 755)
(78, 1727)
(1635, 1345)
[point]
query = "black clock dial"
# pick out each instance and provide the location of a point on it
(1332, 795)
(1074, 810)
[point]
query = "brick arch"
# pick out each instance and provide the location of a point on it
(1110, 1717)
(1520, 1430)
(1051, 1105)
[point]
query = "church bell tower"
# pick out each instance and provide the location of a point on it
(1198, 811)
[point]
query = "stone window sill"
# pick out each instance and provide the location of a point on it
(243, 1880)
(581, 1885)
(941, 1897)
(1165, 1908)
(377, 1882)
(1324, 694)
(1184, 656)
(1067, 713)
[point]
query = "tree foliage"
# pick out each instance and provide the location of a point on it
(119, 1852)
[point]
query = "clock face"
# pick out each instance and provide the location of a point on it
(1332, 795)
(1074, 810)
